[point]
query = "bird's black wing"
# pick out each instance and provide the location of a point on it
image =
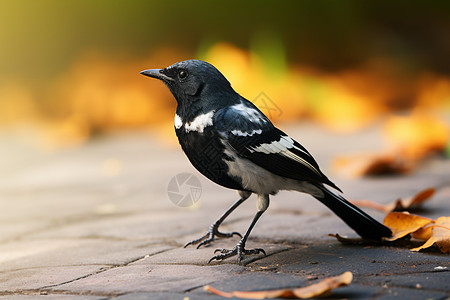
(248, 131)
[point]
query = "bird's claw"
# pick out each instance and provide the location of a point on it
(238, 250)
(212, 232)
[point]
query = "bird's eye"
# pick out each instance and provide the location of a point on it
(182, 74)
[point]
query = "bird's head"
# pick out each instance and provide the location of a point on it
(196, 85)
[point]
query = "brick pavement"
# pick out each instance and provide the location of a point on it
(96, 223)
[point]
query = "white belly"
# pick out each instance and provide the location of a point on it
(260, 181)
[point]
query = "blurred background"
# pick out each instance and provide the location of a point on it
(69, 70)
(88, 148)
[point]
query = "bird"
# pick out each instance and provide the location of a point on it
(231, 142)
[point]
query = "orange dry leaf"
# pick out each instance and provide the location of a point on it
(315, 290)
(367, 164)
(399, 204)
(433, 231)
(403, 223)
(421, 228)
(423, 233)
(414, 202)
(440, 235)
(411, 139)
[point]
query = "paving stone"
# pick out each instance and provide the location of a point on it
(298, 228)
(413, 294)
(45, 296)
(151, 278)
(38, 278)
(332, 258)
(201, 256)
(357, 291)
(144, 226)
(73, 252)
(261, 280)
(13, 230)
(431, 280)
(96, 233)
(169, 296)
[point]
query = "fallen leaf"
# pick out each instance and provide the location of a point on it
(403, 223)
(423, 233)
(315, 290)
(411, 139)
(400, 204)
(414, 202)
(367, 164)
(440, 235)
(420, 228)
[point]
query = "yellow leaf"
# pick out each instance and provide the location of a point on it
(367, 164)
(440, 234)
(400, 204)
(418, 199)
(423, 233)
(321, 288)
(402, 224)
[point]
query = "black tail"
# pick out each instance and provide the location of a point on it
(359, 221)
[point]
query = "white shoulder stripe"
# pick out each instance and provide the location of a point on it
(200, 122)
(178, 122)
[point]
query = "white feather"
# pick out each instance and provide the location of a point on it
(200, 122)
(273, 147)
(250, 113)
(178, 121)
(241, 133)
(286, 142)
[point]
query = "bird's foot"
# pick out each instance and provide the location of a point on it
(212, 232)
(238, 250)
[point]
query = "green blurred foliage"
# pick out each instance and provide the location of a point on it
(39, 39)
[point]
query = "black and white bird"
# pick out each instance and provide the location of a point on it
(230, 141)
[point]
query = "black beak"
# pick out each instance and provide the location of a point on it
(156, 73)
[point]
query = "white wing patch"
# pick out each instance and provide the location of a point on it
(241, 133)
(287, 141)
(282, 147)
(178, 122)
(200, 122)
(283, 144)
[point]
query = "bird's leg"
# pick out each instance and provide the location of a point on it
(213, 230)
(239, 249)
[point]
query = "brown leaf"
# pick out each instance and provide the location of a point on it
(400, 204)
(358, 165)
(403, 223)
(414, 202)
(440, 234)
(318, 289)
(423, 233)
